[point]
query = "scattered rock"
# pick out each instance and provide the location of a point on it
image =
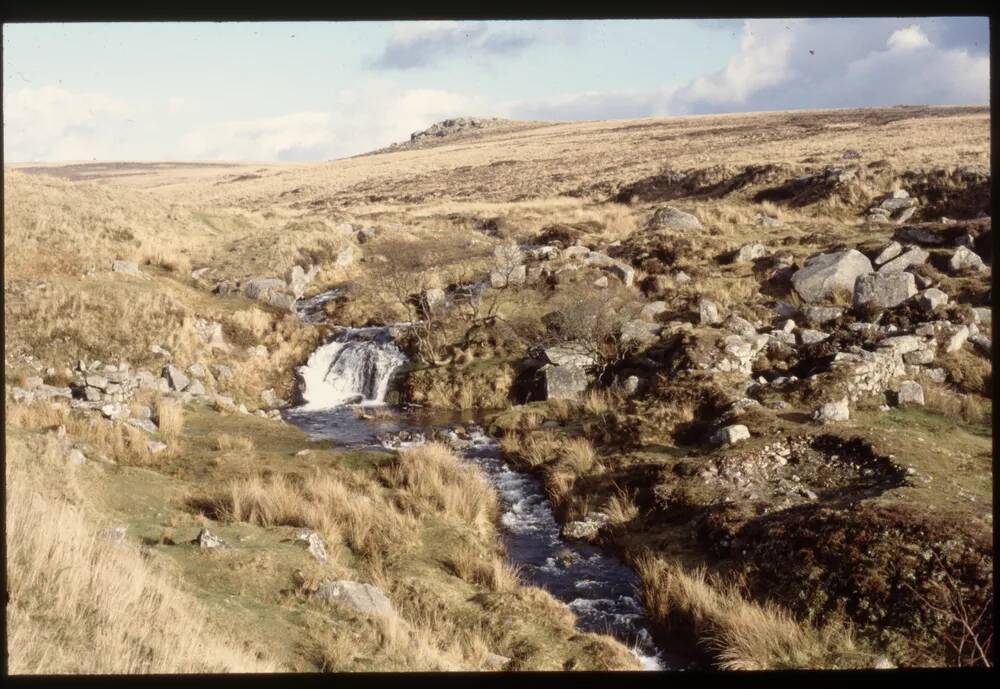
(126, 267)
(175, 377)
(670, 218)
(730, 435)
(206, 539)
(825, 274)
(313, 543)
(640, 332)
(708, 312)
(750, 252)
(910, 392)
(884, 290)
(365, 598)
(930, 299)
(564, 382)
(839, 410)
(890, 252)
(155, 447)
(623, 272)
(963, 259)
(912, 257)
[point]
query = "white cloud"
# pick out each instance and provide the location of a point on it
(761, 61)
(786, 64)
(910, 37)
(50, 123)
(377, 113)
(295, 136)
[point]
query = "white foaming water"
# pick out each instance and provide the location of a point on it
(355, 368)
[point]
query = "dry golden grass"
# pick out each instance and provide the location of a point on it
(169, 418)
(967, 407)
(621, 507)
(491, 570)
(225, 441)
(341, 512)
(579, 455)
(118, 441)
(431, 478)
(740, 634)
(79, 604)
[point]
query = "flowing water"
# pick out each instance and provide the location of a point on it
(355, 368)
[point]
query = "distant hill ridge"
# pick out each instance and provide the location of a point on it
(457, 128)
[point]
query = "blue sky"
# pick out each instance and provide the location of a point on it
(321, 90)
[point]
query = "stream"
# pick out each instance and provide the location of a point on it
(353, 371)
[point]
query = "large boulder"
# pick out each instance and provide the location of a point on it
(825, 274)
(963, 259)
(567, 355)
(670, 218)
(884, 290)
(564, 382)
(365, 598)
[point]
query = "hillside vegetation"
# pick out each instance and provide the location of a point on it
(797, 463)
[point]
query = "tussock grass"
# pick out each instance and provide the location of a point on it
(621, 507)
(740, 634)
(169, 418)
(431, 478)
(491, 570)
(339, 511)
(578, 454)
(225, 441)
(970, 408)
(79, 604)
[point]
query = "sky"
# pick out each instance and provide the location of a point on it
(297, 91)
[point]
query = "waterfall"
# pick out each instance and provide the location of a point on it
(353, 368)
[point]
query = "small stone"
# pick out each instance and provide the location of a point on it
(708, 312)
(890, 252)
(750, 252)
(313, 543)
(155, 447)
(76, 457)
(912, 257)
(176, 377)
(601, 282)
(206, 539)
(730, 435)
(126, 267)
(670, 218)
(365, 598)
(115, 534)
(929, 299)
